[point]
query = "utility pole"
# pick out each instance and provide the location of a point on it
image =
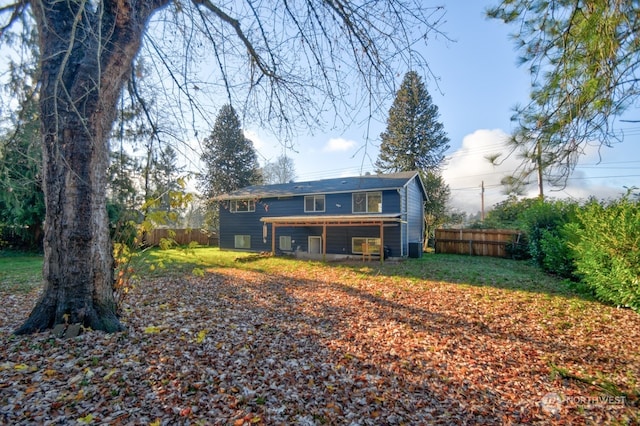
(539, 164)
(482, 203)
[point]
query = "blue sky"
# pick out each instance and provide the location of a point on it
(478, 85)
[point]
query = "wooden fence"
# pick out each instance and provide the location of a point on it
(479, 242)
(182, 237)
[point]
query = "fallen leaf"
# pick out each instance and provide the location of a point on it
(86, 419)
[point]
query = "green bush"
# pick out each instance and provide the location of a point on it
(507, 214)
(607, 252)
(544, 223)
(558, 255)
(518, 247)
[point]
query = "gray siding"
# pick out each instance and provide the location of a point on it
(403, 247)
(415, 214)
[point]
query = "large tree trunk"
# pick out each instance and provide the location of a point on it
(86, 56)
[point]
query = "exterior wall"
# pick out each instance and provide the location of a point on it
(246, 223)
(404, 199)
(415, 213)
(338, 238)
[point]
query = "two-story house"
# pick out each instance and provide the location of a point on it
(379, 214)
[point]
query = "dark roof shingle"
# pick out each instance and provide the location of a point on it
(324, 186)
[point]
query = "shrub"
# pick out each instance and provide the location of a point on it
(607, 253)
(545, 222)
(518, 247)
(506, 214)
(558, 256)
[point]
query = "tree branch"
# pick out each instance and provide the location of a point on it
(235, 24)
(17, 9)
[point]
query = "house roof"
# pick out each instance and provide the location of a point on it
(377, 182)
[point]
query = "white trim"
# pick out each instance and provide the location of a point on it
(315, 237)
(366, 201)
(251, 206)
(315, 196)
(239, 241)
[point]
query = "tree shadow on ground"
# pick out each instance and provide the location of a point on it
(315, 346)
(462, 356)
(475, 271)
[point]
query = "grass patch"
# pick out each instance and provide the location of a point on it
(20, 272)
(183, 261)
(475, 271)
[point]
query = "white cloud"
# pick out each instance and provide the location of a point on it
(253, 136)
(267, 146)
(468, 168)
(338, 144)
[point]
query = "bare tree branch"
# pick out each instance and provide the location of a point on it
(235, 24)
(17, 11)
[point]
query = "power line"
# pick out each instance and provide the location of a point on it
(477, 187)
(601, 177)
(609, 162)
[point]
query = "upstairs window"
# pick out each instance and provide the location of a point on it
(367, 202)
(242, 206)
(314, 203)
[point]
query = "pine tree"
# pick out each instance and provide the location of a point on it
(22, 207)
(230, 160)
(583, 60)
(414, 138)
(435, 208)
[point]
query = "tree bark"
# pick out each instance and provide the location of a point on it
(87, 55)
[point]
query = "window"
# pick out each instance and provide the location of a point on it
(357, 242)
(241, 206)
(314, 203)
(367, 202)
(285, 242)
(242, 241)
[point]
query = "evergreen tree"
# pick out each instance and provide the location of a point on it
(22, 206)
(123, 197)
(230, 160)
(165, 175)
(435, 208)
(123, 172)
(583, 60)
(414, 138)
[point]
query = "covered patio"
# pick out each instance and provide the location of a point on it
(379, 220)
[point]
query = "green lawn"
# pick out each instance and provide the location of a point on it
(22, 272)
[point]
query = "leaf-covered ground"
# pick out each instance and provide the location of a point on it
(327, 345)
